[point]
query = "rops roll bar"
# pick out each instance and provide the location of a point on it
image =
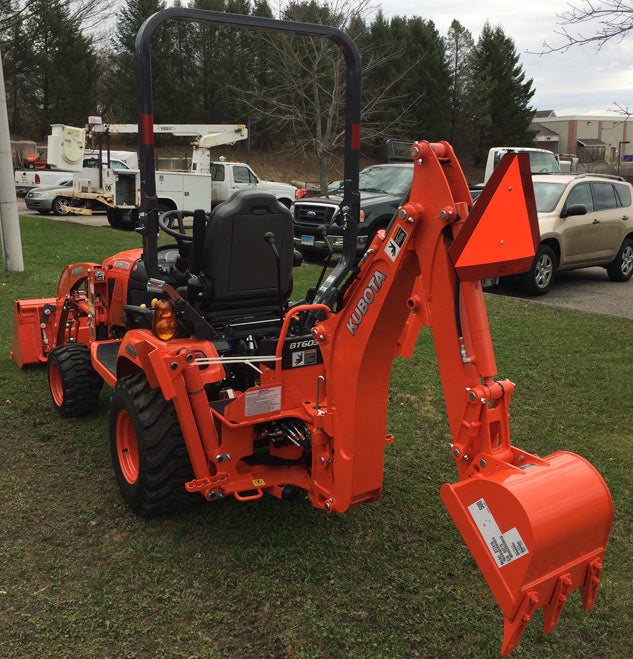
(149, 202)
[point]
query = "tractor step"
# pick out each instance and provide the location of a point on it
(106, 357)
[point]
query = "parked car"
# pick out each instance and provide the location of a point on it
(382, 188)
(585, 220)
(53, 199)
(49, 198)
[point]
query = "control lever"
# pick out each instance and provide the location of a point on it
(269, 237)
(321, 233)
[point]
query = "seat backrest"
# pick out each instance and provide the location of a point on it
(238, 264)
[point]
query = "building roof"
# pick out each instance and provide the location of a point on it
(543, 132)
(590, 141)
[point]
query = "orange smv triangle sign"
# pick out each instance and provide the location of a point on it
(501, 234)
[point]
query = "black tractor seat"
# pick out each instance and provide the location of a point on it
(245, 276)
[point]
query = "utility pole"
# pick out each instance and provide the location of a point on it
(620, 145)
(9, 220)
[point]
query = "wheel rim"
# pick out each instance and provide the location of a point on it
(543, 271)
(127, 447)
(55, 383)
(58, 203)
(627, 261)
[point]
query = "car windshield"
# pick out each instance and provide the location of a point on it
(389, 180)
(543, 163)
(547, 195)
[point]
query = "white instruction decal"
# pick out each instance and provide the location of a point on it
(262, 401)
(504, 547)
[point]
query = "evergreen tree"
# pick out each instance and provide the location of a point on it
(51, 67)
(429, 80)
(18, 60)
(119, 104)
(500, 97)
(459, 44)
(414, 71)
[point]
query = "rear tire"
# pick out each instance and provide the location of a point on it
(541, 275)
(621, 268)
(73, 383)
(149, 456)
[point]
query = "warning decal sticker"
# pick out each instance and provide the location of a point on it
(504, 547)
(394, 245)
(304, 358)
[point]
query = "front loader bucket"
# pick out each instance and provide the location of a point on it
(537, 532)
(31, 330)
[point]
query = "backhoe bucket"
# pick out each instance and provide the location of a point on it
(31, 330)
(537, 532)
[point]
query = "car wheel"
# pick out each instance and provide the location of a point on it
(621, 268)
(540, 277)
(58, 206)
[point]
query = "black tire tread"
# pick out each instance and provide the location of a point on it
(614, 269)
(81, 383)
(164, 464)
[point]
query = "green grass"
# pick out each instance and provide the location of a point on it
(80, 576)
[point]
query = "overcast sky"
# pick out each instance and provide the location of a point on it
(582, 80)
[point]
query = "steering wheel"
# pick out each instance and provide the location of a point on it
(166, 221)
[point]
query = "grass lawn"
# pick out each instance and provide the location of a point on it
(81, 576)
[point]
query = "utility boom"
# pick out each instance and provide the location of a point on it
(206, 136)
(223, 387)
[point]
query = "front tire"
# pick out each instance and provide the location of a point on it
(621, 268)
(58, 206)
(73, 383)
(149, 456)
(541, 275)
(122, 220)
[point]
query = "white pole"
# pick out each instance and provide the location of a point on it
(9, 220)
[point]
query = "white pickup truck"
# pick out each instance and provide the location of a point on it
(225, 177)
(177, 190)
(542, 161)
(25, 179)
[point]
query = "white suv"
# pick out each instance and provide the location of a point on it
(584, 220)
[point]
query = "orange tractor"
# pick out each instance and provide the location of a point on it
(224, 387)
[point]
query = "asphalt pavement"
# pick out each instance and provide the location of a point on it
(589, 289)
(98, 219)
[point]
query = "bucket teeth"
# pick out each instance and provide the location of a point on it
(590, 588)
(554, 608)
(513, 629)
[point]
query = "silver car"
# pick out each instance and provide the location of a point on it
(584, 220)
(51, 199)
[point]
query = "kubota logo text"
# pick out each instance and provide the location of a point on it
(362, 306)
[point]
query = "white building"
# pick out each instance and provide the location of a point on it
(593, 138)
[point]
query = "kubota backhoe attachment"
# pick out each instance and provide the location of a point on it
(537, 527)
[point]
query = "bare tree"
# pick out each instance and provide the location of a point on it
(592, 22)
(303, 94)
(92, 15)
